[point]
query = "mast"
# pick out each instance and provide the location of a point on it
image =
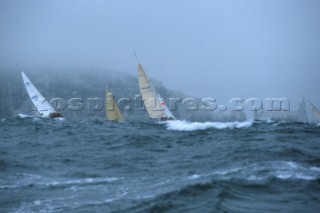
(107, 87)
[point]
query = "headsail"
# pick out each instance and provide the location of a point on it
(152, 101)
(302, 112)
(166, 109)
(112, 110)
(41, 104)
(315, 110)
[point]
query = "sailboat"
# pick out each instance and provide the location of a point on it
(40, 103)
(288, 116)
(112, 110)
(153, 102)
(315, 110)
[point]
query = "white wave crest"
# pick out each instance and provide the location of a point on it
(194, 126)
(24, 116)
(43, 182)
(278, 169)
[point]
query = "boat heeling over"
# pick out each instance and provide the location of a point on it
(41, 104)
(154, 104)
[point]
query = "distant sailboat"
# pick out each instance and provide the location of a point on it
(280, 115)
(41, 104)
(315, 110)
(153, 102)
(112, 110)
(303, 111)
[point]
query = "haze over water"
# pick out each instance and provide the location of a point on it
(222, 49)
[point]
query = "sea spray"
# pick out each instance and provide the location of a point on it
(194, 126)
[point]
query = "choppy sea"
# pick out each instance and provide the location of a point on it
(178, 166)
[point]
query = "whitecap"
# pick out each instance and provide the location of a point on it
(37, 202)
(9, 186)
(313, 168)
(59, 119)
(182, 125)
(24, 116)
(291, 164)
(284, 170)
(193, 177)
(269, 120)
(83, 181)
(294, 175)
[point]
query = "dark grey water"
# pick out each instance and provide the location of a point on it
(52, 166)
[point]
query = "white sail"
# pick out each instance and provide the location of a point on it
(166, 109)
(152, 101)
(41, 104)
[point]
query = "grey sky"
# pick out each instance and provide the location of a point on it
(222, 49)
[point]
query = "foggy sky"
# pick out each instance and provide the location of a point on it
(206, 48)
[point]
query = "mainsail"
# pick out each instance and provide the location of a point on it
(112, 110)
(315, 110)
(153, 102)
(41, 104)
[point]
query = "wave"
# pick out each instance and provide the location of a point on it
(36, 118)
(24, 116)
(261, 172)
(82, 181)
(38, 181)
(182, 125)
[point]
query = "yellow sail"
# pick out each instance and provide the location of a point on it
(149, 96)
(112, 110)
(315, 110)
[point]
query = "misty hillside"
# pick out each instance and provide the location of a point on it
(90, 84)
